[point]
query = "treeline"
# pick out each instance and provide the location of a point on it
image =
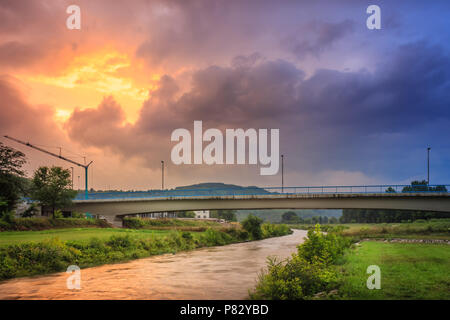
(290, 217)
(387, 216)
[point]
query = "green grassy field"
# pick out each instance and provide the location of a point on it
(408, 271)
(432, 229)
(78, 234)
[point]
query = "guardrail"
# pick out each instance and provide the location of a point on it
(389, 188)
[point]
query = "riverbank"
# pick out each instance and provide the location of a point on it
(26, 258)
(413, 259)
(211, 273)
(419, 229)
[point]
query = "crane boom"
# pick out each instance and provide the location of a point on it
(85, 166)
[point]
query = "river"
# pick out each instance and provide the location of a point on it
(225, 272)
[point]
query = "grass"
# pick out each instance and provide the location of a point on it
(79, 234)
(432, 229)
(408, 271)
(26, 253)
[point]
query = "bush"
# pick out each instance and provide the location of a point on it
(139, 223)
(31, 211)
(252, 225)
(35, 224)
(274, 230)
(7, 217)
(294, 280)
(133, 223)
(308, 272)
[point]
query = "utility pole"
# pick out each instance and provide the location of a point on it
(428, 165)
(282, 173)
(85, 166)
(162, 174)
(72, 176)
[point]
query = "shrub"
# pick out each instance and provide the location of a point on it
(252, 225)
(133, 223)
(7, 216)
(294, 280)
(34, 223)
(274, 230)
(308, 272)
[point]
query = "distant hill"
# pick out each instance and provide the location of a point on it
(219, 188)
(219, 185)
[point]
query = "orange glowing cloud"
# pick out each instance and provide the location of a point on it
(88, 78)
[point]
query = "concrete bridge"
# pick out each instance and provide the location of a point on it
(119, 205)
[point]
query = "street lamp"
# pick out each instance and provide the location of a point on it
(72, 176)
(282, 173)
(162, 175)
(428, 165)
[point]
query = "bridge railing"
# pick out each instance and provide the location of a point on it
(241, 191)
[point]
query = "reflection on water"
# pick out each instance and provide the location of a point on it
(211, 273)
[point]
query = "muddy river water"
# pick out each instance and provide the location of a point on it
(226, 272)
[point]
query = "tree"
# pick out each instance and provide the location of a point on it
(289, 217)
(12, 181)
(51, 187)
(421, 186)
(229, 215)
(333, 220)
(253, 226)
(186, 214)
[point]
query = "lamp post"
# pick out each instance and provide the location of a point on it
(162, 174)
(72, 176)
(428, 165)
(282, 173)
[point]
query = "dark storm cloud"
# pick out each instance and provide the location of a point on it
(315, 37)
(331, 114)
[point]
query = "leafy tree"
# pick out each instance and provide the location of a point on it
(51, 187)
(422, 186)
(416, 186)
(390, 190)
(11, 161)
(252, 225)
(186, 214)
(229, 215)
(333, 220)
(12, 181)
(289, 217)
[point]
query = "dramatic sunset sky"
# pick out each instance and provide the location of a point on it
(354, 106)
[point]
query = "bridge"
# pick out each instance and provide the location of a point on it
(115, 205)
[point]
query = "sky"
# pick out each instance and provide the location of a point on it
(353, 106)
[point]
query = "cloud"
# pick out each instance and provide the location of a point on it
(18, 117)
(313, 38)
(332, 121)
(17, 54)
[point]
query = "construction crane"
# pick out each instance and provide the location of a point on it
(85, 166)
